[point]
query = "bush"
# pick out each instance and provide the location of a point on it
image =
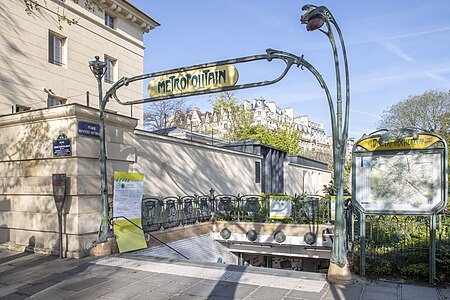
(418, 270)
(385, 267)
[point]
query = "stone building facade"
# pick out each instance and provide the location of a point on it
(44, 60)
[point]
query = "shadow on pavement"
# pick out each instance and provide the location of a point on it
(227, 285)
(10, 258)
(31, 281)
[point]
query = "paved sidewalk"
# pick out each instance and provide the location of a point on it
(33, 276)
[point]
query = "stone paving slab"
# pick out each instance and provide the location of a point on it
(156, 279)
(445, 293)
(414, 292)
(215, 274)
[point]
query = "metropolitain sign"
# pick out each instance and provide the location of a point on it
(193, 81)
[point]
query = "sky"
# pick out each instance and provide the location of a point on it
(395, 49)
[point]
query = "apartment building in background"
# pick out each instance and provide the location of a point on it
(314, 141)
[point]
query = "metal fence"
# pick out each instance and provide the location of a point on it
(167, 212)
(392, 242)
(400, 245)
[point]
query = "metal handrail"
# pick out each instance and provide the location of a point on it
(123, 217)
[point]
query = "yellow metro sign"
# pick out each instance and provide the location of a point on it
(193, 81)
(424, 141)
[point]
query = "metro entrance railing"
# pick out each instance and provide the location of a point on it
(167, 212)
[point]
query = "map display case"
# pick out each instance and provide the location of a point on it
(402, 177)
(399, 172)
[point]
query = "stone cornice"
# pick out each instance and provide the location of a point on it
(66, 111)
(130, 13)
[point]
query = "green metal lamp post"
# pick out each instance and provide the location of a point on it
(314, 18)
(98, 68)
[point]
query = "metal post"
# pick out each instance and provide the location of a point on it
(362, 245)
(60, 234)
(59, 183)
(315, 17)
(98, 68)
(87, 99)
(432, 269)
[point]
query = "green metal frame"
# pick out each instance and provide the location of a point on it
(339, 126)
(400, 134)
(315, 17)
(407, 132)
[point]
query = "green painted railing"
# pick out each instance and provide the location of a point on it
(399, 245)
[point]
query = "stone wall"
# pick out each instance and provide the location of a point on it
(28, 216)
(304, 179)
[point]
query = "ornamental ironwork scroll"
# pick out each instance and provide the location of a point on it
(175, 86)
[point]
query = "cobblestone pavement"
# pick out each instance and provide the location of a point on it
(126, 276)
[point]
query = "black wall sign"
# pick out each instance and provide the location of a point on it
(88, 129)
(62, 146)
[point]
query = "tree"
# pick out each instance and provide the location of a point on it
(429, 111)
(230, 112)
(165, 113)
(239, 125)
(285, 136)
(59, 9)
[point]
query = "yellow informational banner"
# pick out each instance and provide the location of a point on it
(280, 207)
(127, 201)
(129, 237)
(424, 141)
(193, 81)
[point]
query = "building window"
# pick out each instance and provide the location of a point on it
(109, 20)
(257, 172)
(110, 69)
(259, 113)
(54, 101)
(56, 49)
(20, 108)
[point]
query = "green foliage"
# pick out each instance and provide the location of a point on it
(347, 174)
(227, 107)
(328, 189)
(429, 111)
(285, 136)
(239, 126)
(402, 244)
(385, 267)
(443, 262)
(416, 270)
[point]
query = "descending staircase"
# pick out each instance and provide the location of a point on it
(200, 248)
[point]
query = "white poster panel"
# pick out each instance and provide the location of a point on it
(127, 199)
(280, 207)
